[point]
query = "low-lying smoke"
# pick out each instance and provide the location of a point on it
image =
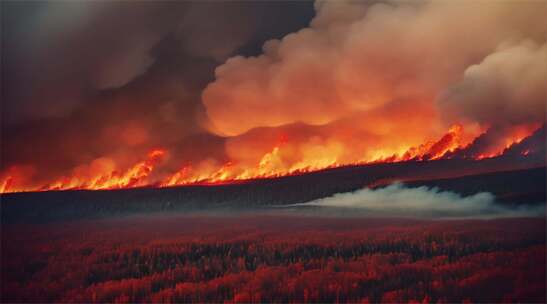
(400, 201)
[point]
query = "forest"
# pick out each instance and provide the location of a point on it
(254, 259)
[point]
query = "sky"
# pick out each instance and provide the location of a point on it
(91, 87)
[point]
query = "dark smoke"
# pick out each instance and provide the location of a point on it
(83, 80)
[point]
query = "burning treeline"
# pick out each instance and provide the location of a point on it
(102, 173)
(364, 82)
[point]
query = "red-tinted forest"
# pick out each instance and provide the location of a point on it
(275, 259)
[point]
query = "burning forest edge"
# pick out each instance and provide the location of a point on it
(510, 188)
(524, 142)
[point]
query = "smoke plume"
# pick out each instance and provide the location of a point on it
(357, 58)
(506, 88)
(90, 89)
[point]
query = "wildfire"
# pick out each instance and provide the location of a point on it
(102, 173)
(516, 135)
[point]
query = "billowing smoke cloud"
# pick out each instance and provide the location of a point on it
(387, 69)
(505, 88)
(400, 201)
(87, 83)
(360, 56)
(57, 55)
(101, 84)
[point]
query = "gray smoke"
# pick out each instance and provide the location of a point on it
(400, 201)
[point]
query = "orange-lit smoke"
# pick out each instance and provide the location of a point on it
(360, 59)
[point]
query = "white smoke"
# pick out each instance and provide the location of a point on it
(401, 201)
(507, 88)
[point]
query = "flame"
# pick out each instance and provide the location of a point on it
(132, 177)
(431, 150)
(102, 173)
(515, 136)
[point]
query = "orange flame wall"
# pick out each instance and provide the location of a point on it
(286, 157)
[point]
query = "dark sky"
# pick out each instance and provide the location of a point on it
(56, 55)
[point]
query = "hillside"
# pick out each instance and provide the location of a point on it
(523, 186)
